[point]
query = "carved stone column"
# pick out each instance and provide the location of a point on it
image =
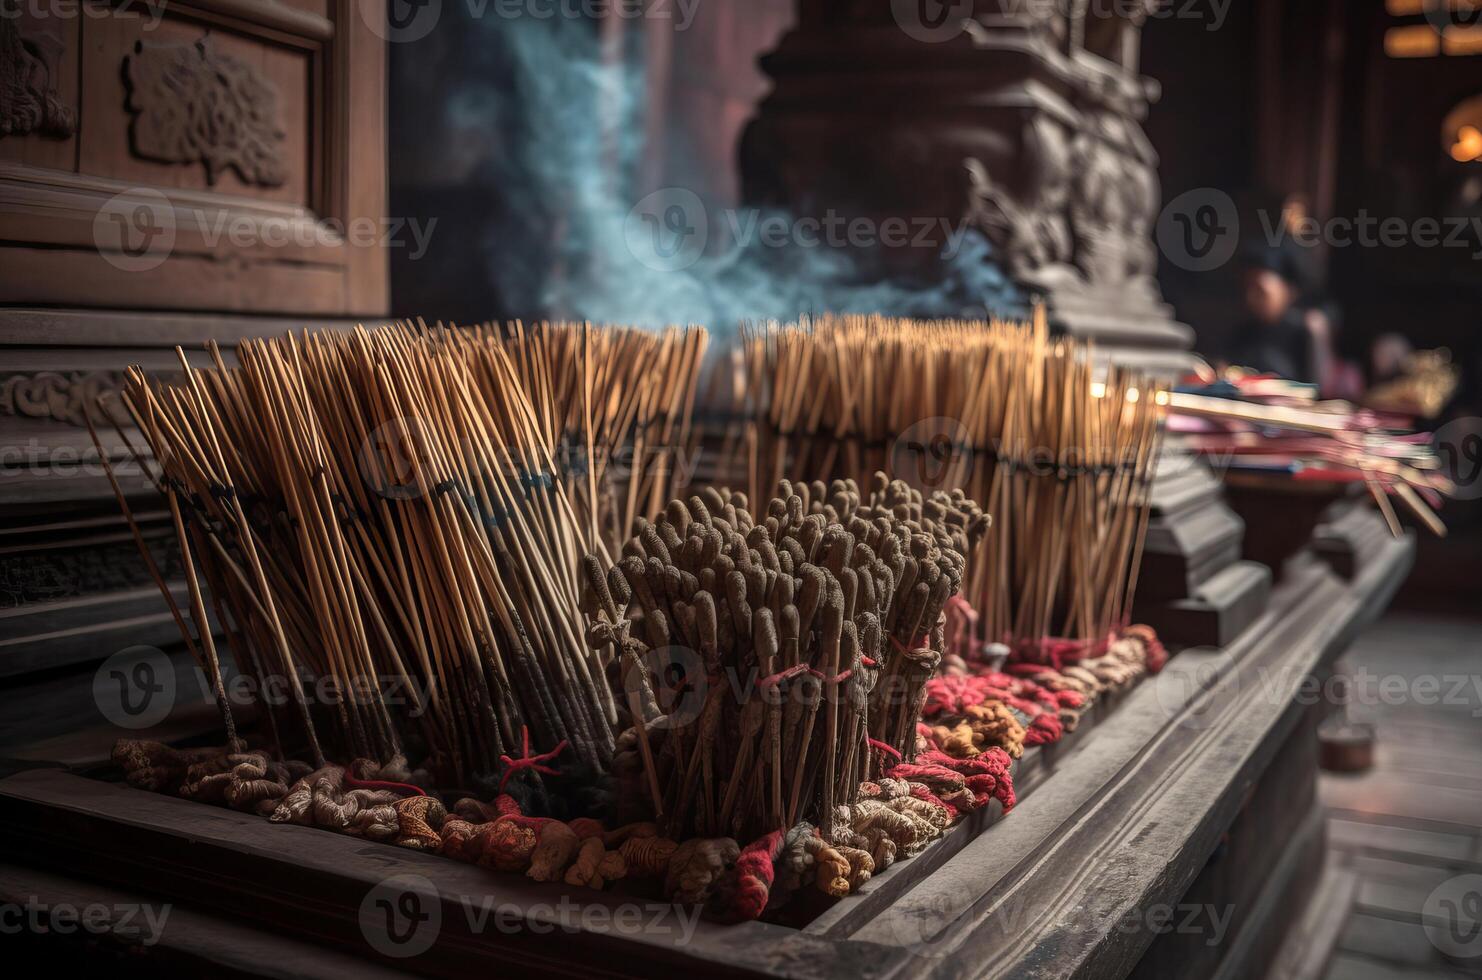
(1020, 117)
(1023, 119)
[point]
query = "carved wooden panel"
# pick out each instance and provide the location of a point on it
(190, 106)
(30, 101)
(170, 172)
(222, 149)
(193, 104)
(38, 88)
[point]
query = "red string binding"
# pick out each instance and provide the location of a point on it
(406, 789)
(528, 761)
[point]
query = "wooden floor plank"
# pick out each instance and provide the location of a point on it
(1387, 838)
(1414, 820)
(1384, 796)
(1346, 966)
(1391, 940)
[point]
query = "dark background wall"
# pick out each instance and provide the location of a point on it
(1302, 98)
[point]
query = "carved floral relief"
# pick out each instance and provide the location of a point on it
(194, 104)
(29, 102)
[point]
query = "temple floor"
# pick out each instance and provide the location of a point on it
(1402, 835)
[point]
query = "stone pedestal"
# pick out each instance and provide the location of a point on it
(1017, 121)
(1021, 123)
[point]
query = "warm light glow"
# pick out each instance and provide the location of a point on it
(1461, 130)
(1133, 394)
(1414, 8)
(1414, 41)
(1468, 145)
(1462, 40)
(1098, 389)
(1161, 398)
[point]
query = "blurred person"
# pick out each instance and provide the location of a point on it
(1287, 331)
(1273, 337)
(1388, 356)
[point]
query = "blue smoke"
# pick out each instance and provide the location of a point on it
(567, 244)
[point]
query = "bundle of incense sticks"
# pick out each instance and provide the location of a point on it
(1331, 441)
(816, 630)
(383, 509)
(1026, 424)
(622, 401)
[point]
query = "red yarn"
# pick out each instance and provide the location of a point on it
(406, 789)
(528, 761)
(772, 680)
(915, 772)
(917, 645)
(888, 749)
(961, 617)
(1070, 699)
(749, 884)
(1057, 651)
(923, 793)
(1043, 729)
(1157, 654)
